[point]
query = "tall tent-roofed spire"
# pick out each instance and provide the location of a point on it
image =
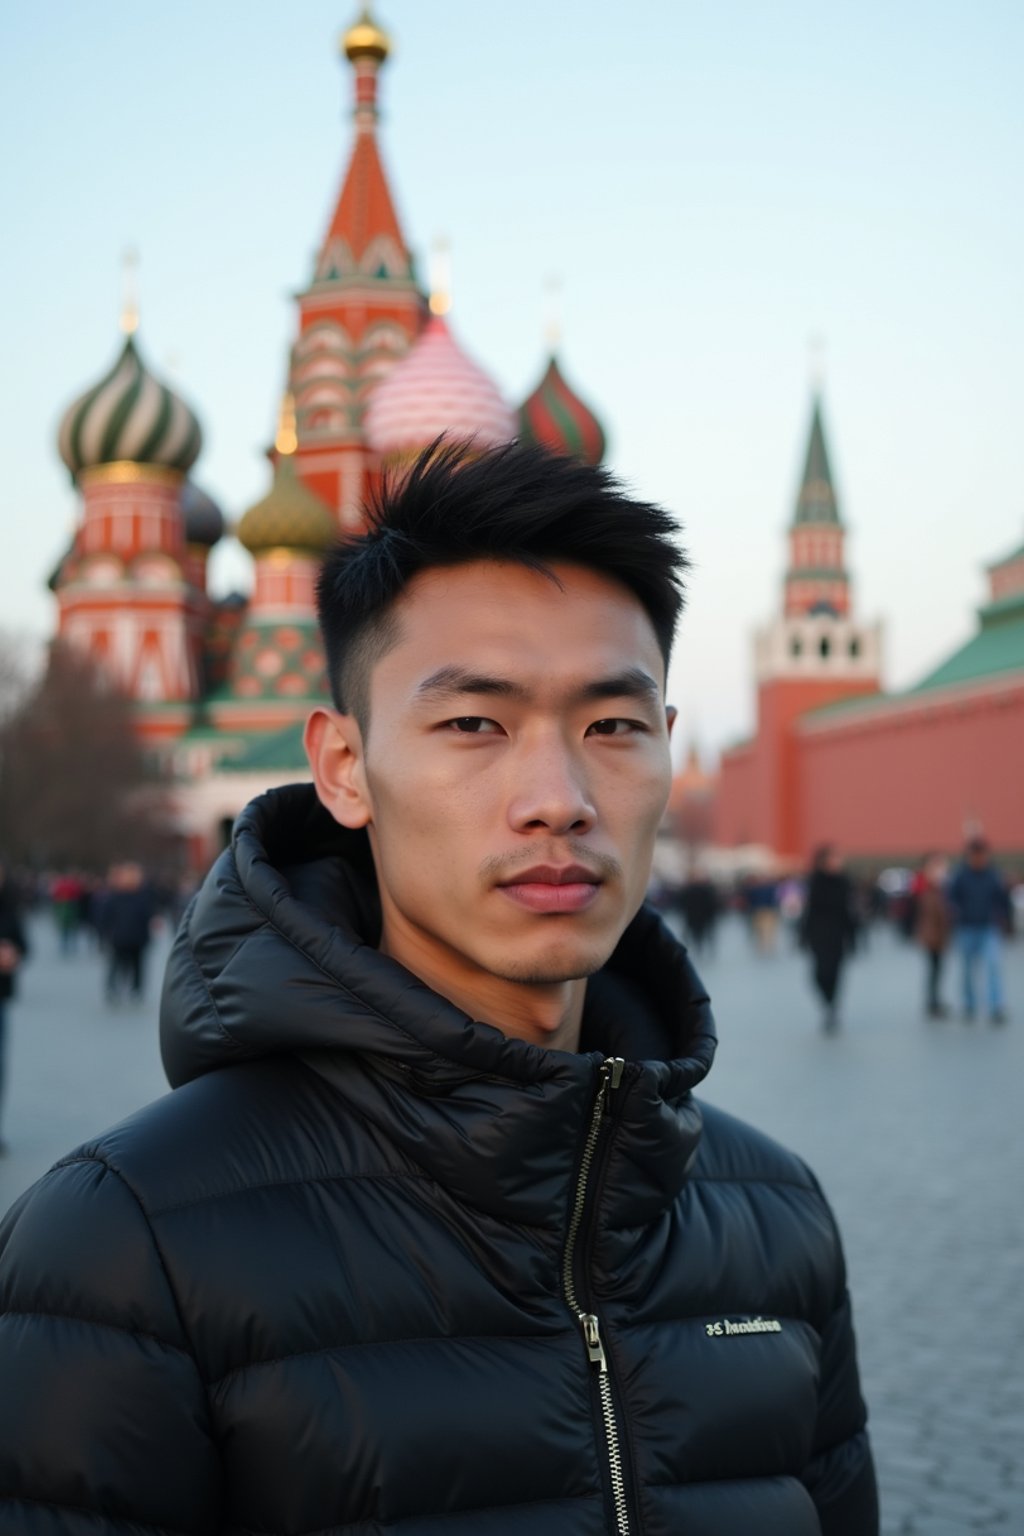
(816, 580)
(816, 501)
(364, 218)
(362, 309)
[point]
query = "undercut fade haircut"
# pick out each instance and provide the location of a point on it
(456, 504)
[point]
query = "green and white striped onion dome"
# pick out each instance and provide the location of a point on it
(288, 517)
(129, 416)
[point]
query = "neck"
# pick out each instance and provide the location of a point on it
(544, 1013)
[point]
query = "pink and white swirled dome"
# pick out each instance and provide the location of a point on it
(436, 389)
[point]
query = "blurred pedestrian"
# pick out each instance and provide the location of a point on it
(933, 927)
(828, 928)
(763, 906)
(13, 949)
(981, 909)
(701, 908)
(125, 922)
(66, 899)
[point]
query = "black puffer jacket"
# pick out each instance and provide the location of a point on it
(321, 1288)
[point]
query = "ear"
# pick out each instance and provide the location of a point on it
(334, 746)
(671, 716)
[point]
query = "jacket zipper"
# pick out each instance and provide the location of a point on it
(610, 1077)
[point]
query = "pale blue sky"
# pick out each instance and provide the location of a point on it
(714, 183)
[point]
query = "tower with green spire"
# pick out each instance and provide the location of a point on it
(816, 580)
(816, 638)
(813, 654)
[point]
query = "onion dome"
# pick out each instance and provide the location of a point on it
(290, 517)
(365, 39)
(129, 415)
(556, 418)
(202, 518)
(436, 388)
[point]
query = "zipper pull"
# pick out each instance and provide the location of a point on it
(592, 1335)
(612, 1069)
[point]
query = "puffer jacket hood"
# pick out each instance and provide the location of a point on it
(278, 953)
(277, 956)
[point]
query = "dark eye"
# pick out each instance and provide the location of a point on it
(614, 727)
(473, 725)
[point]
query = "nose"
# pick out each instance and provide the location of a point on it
(549, 791)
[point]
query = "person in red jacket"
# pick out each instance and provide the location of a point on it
(432, 1235)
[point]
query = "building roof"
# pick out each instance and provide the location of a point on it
(555, 417)
(436, 388)
(364, 210)
(997, 647)
(282, 750)
(129, 415)
(816, 501)
(203, 519)
(364, 213)
(365, 39)
(288, 517)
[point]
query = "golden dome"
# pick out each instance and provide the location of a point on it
(365, 39)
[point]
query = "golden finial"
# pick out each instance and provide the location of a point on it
(440, 278)
(129, 292)
(553, 311)
(287, 439)
(364, 39)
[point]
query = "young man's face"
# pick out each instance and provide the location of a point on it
(515, 772)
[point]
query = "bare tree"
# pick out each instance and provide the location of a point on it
(75, 786)
(15, 674)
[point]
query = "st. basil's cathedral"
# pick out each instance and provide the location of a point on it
(221, 687)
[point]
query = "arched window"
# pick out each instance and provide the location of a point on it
(825, 647)
(855, 647)
(796, 646)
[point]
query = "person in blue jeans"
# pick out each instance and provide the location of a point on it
(981, 909)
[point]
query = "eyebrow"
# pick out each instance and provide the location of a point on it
(455, 682)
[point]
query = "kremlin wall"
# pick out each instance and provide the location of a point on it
(222, 686)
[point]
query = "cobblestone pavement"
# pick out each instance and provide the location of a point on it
(914, 1128)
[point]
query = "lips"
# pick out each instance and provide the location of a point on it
(552, 888)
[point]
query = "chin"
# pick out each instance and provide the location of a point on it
(553, 963)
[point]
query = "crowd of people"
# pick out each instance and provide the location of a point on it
(115, 914)
(942, 906)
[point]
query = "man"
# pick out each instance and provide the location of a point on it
(828, 927)
(701, 907)
(981, 909)
(13, 949)
(431, 1236)
(125, 920)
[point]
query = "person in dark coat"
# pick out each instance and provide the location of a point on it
(13, 949)
(124, 922)
(432, 1234)
(699, 903)
(828, 927)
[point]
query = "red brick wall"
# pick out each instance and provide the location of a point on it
(760, 793)
(916, 776)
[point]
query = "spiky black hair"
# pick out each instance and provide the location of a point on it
(515, 503)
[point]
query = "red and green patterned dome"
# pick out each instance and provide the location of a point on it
(555, 417)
